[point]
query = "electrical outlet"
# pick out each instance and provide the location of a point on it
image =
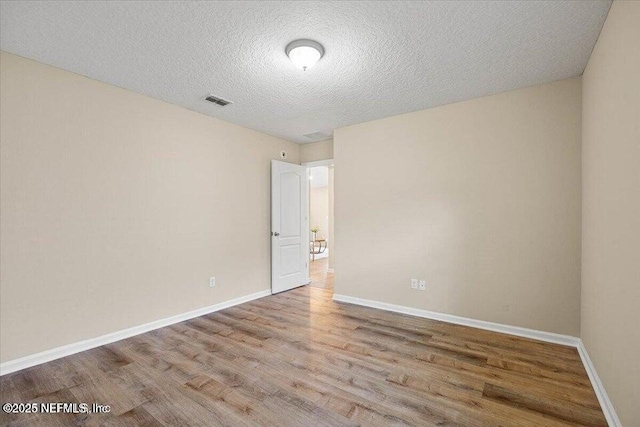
(414, 283)
(423, 285)
(212, 282)
(506, 307)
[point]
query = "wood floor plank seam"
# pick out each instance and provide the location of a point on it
(299, 358)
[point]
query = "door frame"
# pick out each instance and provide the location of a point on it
(315, 163)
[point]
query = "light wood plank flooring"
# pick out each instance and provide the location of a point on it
(320, 276)
(300, 359)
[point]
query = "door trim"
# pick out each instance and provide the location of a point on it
(327, 162)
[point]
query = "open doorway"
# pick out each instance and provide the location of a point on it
(321, 224)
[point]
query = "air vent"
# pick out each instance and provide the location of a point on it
(219, 101)
(317, 135)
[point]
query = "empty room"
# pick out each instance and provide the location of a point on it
(320, 213)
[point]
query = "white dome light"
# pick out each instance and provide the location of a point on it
(304, 53)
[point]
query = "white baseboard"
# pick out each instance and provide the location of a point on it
(598, 387)
(69, 349)
(465, 321)
(603, 399)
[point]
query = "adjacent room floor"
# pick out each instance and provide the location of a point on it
(320, 275)
(300, 359)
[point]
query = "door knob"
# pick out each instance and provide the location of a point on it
(276, 234)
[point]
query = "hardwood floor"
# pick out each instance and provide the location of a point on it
(320, 276)
(300, 359)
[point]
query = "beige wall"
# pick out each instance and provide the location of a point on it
(316, 151)
(611, 209)
(479, 198)
(319, 212)
(117, 208)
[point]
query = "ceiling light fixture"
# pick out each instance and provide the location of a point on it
(304, 53)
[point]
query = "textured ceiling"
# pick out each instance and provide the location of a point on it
(382, 58)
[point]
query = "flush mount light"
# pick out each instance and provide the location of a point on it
(304, 53)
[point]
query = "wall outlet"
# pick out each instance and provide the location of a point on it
(414, 283)
(506, 307)
(212, 282)
(423, 285)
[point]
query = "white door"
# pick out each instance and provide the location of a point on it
(289, 226)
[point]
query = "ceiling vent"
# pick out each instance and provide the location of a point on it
(317, 136)
(219, 101)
